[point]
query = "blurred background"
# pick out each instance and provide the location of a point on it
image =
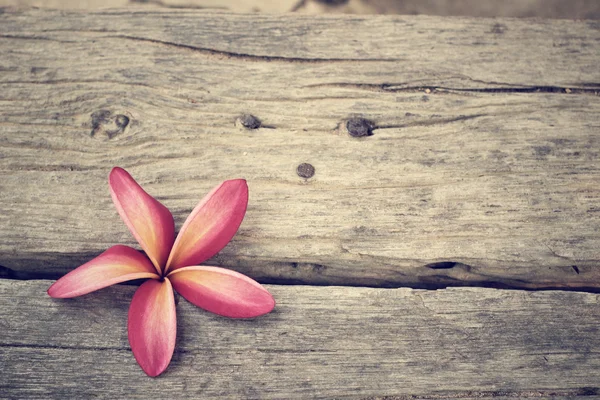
(573, 9)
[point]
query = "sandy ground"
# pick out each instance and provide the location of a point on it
(579, 9)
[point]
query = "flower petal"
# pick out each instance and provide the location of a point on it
(152, 326)
(117, 264)
(149, 221)
(222, 291)
(211, 225)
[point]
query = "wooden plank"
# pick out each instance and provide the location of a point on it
(579, 9)
(574, 9)
(318, 343)
(272, 6)
(482, 168)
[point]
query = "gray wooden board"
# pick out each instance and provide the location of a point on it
(574, 9)
(482, 167)
(325, 342)
(273, 6)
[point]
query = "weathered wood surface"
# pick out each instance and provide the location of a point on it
(482, 167)
(579, 9)
(319, 342)
(272, 6)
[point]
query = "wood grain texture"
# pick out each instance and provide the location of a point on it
(482, 168)
(270, 6)
(318, 343)
(573, 9)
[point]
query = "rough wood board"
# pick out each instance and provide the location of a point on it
(272, 6)
(319, 342)
(579, 9)
(482, 163)
(475, 8)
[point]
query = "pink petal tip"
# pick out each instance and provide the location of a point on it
(222, 291)
(149, 221)
(211, 225)
(117, 264)
(152, 326)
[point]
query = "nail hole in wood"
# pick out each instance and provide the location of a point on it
(249, 121)
(360, 127)
(305, 170)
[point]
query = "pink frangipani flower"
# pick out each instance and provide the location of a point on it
(170, 264)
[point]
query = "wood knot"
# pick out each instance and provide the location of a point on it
(108, 124)
(360, 127)
(305, 170)
(498, 29)
(248, 121)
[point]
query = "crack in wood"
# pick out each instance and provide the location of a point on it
(296, 351)
(25, 37)
(57, 347)
(581, 88)
(251, 57)
(431, 122)
(441, 280)
(522, 394)
(446, 265)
